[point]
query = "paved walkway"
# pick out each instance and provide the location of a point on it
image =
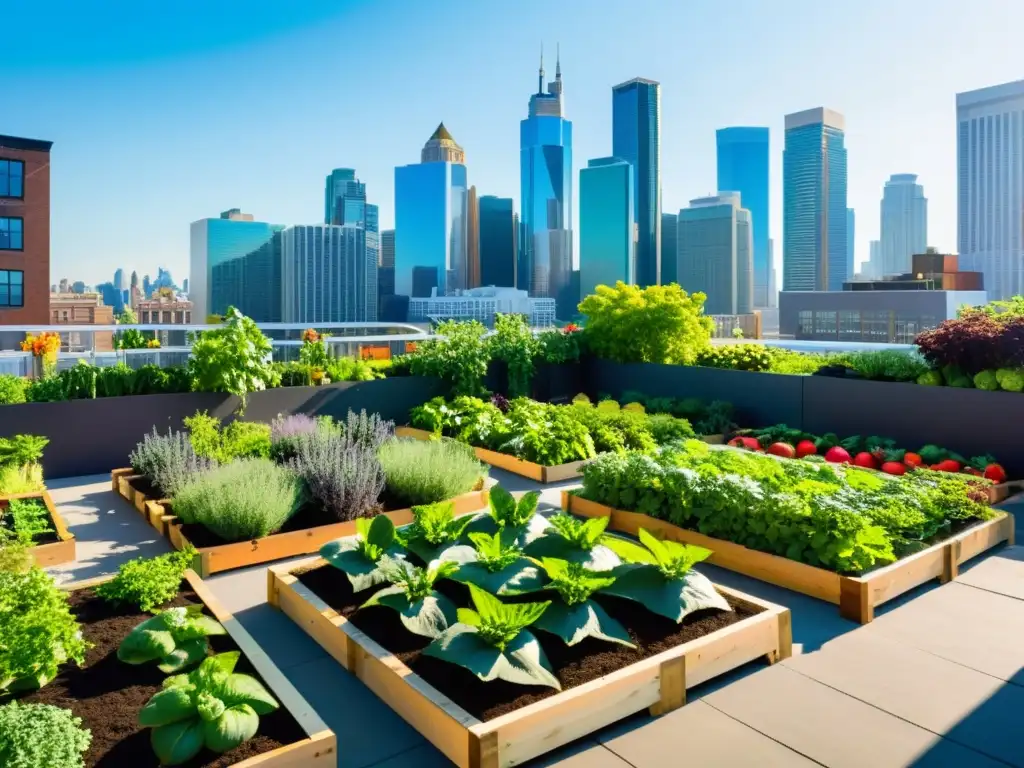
(936, 680)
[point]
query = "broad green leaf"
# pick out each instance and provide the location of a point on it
(245, 689)
(527, 506)
(428, 617)
(177, 743)
(198, 626)
(672, 598)
(184, 655)
(142, 645)
(468, 616)
(344, 554)
(214, 669)
(502, 504)
(523, 535)
(627, 550)
(523, 661)
(178, 681)
(236, 725)
(363, 528)
(521, 576)
(381, 532)
(574, 623)
(169, 705)
(209, 706)
(655, 545)
(428, 552)
(487, 605)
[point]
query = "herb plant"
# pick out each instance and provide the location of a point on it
(177, 638)
(168, 461)
(344, 479)
(212, 706)
(283, 433)
(41, 736)
(493, 642)
(233, 358)
(434, 528)
(366, 430)
(239, 439)
(423, 611)
(148, 582)
(12, 389)
(575, 617)
(24, 520)
(427, 471)
(514, 344)
(459, 357)
(359, 556)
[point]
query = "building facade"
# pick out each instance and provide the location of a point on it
(473, 239)
(82, 309)
(608, 228)
(743, 161)
(24, 232)
(499, 239)
(483, 304)
(814, 202)
(636, 138)
(545, 165)
(669, 247)
(904, 210)
(851, 242)
(715, 253)
(990, 185)
(387, 248)
(327, 275)
(166, 309)
(431, 217)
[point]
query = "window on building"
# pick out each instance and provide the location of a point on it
(11, 234)
(804, 324)
(12, 178)
(12, 284)
(849, 326)
(825, 325)
(877, 326)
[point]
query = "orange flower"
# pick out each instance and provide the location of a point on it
(310, 336)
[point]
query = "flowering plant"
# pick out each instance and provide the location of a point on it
(45, 346)
(314, 351)
(153, 344)
(571, 328)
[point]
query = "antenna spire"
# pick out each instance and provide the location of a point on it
(558, 61)
(540, 76)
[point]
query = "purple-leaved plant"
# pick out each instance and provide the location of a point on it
(345, 479)
(283, 432)
(168, 461)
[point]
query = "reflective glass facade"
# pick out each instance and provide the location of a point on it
(743, 162)
(669, 247)
(636, 138)
(327, 275)
(715, 253)
(498, 239)
(607, 225)
(851, 243)
(904, 223)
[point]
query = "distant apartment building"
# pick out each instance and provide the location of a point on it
(82, 309)
(715, 253)
(166, 310)
(327, 275)
(904, 210)
(387, 248)
(608, 227)
(483, 304)
(851, 242)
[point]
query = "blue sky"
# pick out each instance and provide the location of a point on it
(164, 113)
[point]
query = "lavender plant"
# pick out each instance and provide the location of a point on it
(343, 477)
(283, 432)
(169, 461)
(367, 431)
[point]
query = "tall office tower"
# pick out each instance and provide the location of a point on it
(814, 202)
(431, 227)
(904, 223)
(345, 205)
(326, 276)
(184, 286)
(234, 261)
(851, 243)
(873, 268)
(990, 186)
(545, 163)
(607, 224)
(773, 277)
(387, 248)
(669, 222)
(716, 253)
(473, 239)
(636, 138)
(743, 154)
(120, 282)
(498, 241)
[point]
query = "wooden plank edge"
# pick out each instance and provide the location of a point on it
(318, 750)
(59, 524)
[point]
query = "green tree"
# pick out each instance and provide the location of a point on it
(658, 324)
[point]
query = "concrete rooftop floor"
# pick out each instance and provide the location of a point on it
(936, 680)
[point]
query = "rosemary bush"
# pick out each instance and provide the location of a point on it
(169, 461)
(343, 478)
(423, 472)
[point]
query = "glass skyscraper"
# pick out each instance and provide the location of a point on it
(636, 138)
(904, 211)
(715, 253)
(607, 224)
(545, 162)
(328, 275)
(431, 202)
(851, 242)
(814, 202)
(743, 161)
(669, 222)
(498, 241)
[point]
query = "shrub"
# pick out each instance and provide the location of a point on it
(12, 389)
(367, 430)
(283, 432)
(38, 735)
(27, 478)
(738, 357)
(20, 471)
(974, 342)
(559, 346)
(424, 472)
(233, 358)
(148, 582)
(38, 632)
(657, 324)
(666, 428)
(239, 439)
(460, 358)
(24, 521)
(514, 344)
(544, 434)
(717, 419)
(169, 461)
(241, 501)
(350, 369)
(888, 365)
(344, 478)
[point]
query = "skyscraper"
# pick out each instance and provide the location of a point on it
(636, 138)
(904, 223)
(990, 186)
(498, 241)
(873, 269)
(385, 272)
(716, 253)
(326, 275)
(472, 240)
(814, 202)
(341, 183)
(545, 164)
(669, 248)
(743, 160)
(773, 276)
(607, 225)
(431, 206)
(387, 248)
(851, 245)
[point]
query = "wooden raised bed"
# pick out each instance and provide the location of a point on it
(657, 684)
(856, 596)
(56, 552)
(319, 749)
(121, 482)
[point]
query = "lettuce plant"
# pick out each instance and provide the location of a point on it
(177, 637)
(358, 556)
(575, 616)
(493, 642)
(422, 610)
(495, 563)
(434, 528)
(212, 706)
(579, 541)
(519, 519)
(663, 580)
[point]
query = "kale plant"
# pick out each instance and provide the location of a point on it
(495, 563)
(576, 540)
(434, 529)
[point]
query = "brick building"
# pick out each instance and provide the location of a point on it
(82, 309)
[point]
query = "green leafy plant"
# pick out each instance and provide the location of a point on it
(428, 471)
(493, 642)
(233, 358)
(22, 449)
(559, 346)
(459, 357)
(239, 439)
(514, 344)
(494, 563)
(148, 582)
(434, 528)
(12, 389)
(359, 556)
(738, 357)
(422, 610)
(41, 736)
(577, 540)
(38, 632)
(178, 638)
(168, 461)
(888, 365)
(518, 518)
(212, 706)
(25, 520)
(575, 617)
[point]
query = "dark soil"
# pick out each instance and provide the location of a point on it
(147, 488)
(572, 666)
(108, 694)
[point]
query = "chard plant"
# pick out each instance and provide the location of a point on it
(518, 520)
(662, 579)
(579, 541)
(575, 617)
(423, 611)
(434, 528)
(495, 563)
(178, 638)
(212, 706)
(493, 642)
(358, 556)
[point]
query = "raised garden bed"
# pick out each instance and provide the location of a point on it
(856, 596)
(496, 724)
(55, 547)
(108, 694)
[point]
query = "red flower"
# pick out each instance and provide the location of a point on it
(571, 328)
(310, 336)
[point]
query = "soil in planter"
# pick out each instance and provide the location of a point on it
(146, 487)
(573, 666)
(108, 694)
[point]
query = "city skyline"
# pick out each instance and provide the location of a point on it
(124, 108)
